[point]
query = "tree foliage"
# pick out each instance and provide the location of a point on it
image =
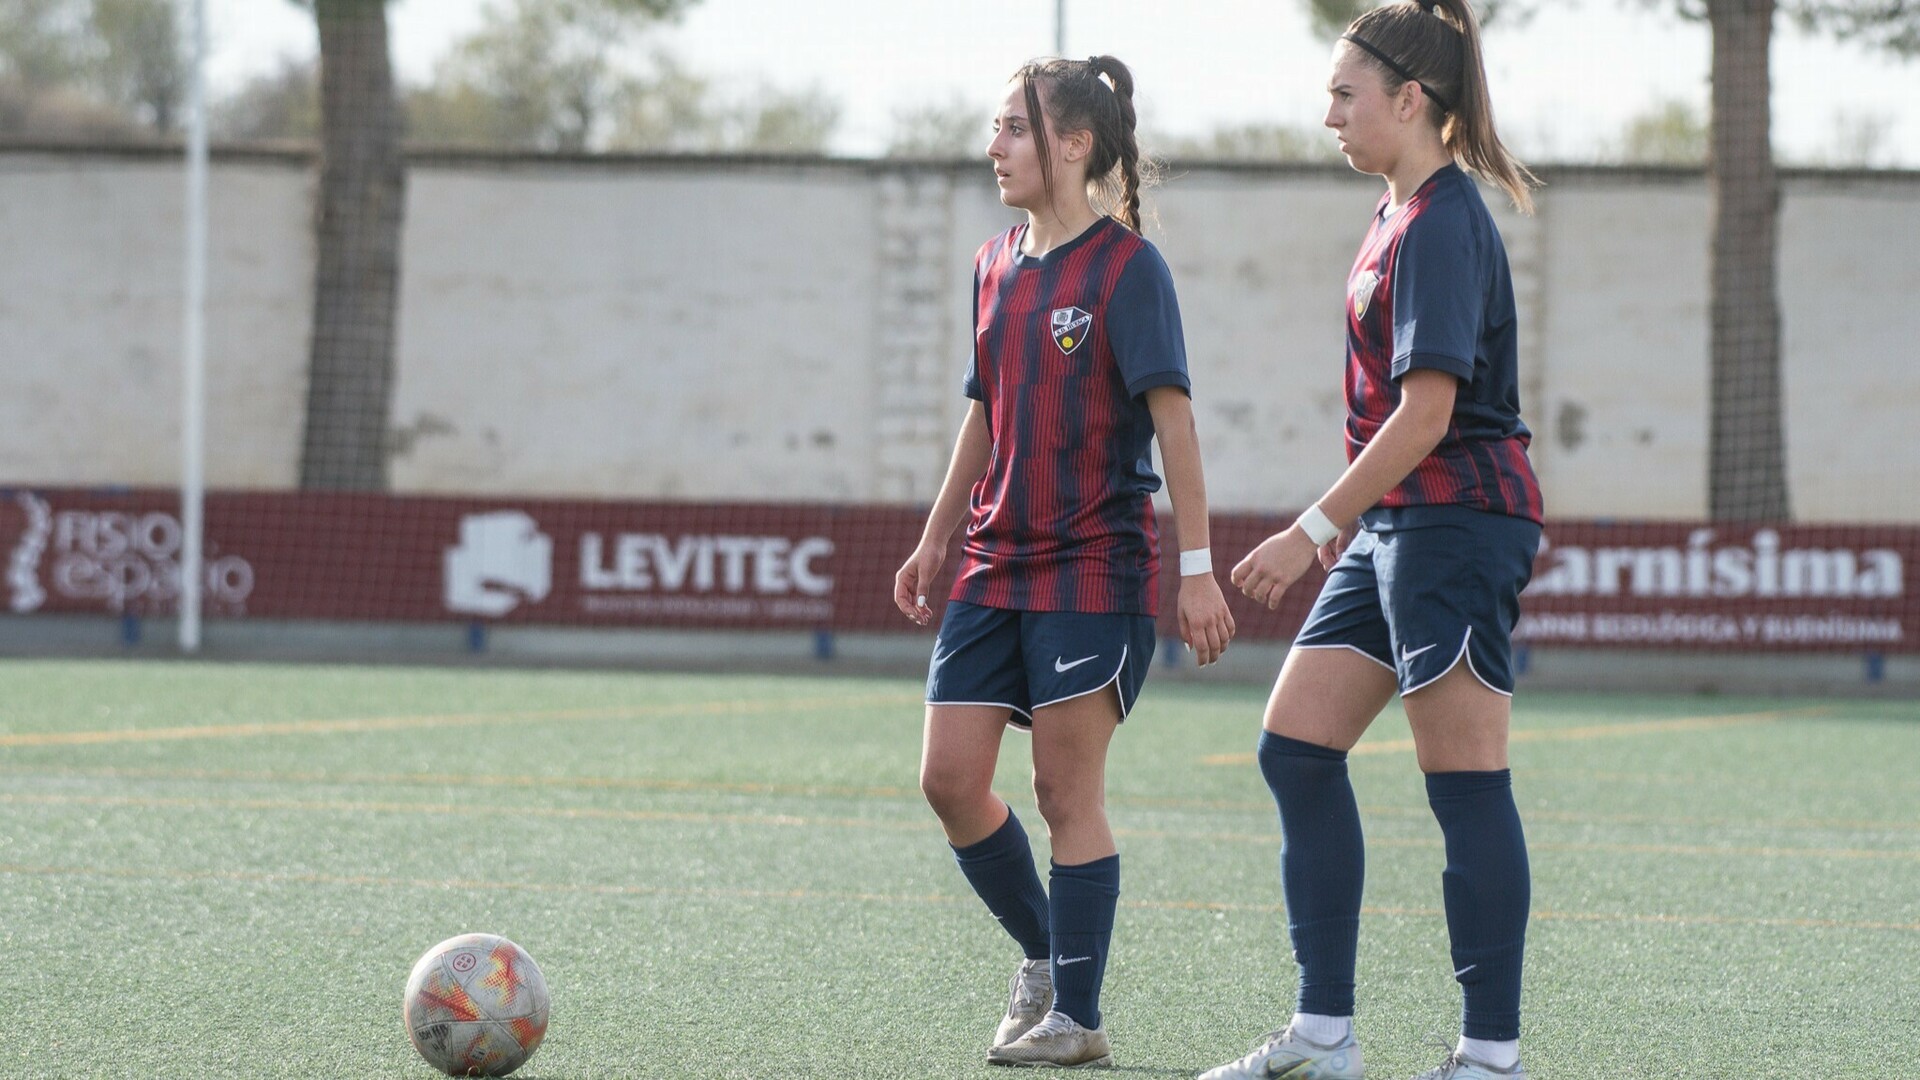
(91, 68)
(676, 111)
(283, 103)
(1671, 133)
(1330, 17)
(555, 75)
(1893, 25)
(536, 75)
(954, 128)
(40, 42)
(1255, 142)
(141, 64)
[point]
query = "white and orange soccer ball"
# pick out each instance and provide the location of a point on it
(476, 1006)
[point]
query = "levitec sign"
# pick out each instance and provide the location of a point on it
(778, 577)
(505, 560)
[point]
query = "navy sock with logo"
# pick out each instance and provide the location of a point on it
(1000, 869)
(1081, 920)
(1488, 888)
(1323, 866)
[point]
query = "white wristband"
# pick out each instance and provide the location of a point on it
(1317, 525)
(1197, 561)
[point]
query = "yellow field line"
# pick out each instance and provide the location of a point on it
(479, 809)
(1722, 920)
(589, 889)
(583, 813)
(748, 787)
(399, 723)
(1589, 731)
(1568, 817)
(464, 780)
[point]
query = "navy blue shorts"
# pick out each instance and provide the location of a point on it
(1027, 660)
(1417, 600)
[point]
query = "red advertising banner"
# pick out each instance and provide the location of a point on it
(1723, 586)
(767, 566)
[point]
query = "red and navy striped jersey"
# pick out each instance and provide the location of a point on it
(1066, 345)
(1431, 289)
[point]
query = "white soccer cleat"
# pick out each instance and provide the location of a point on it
(1057, 1042)
(1028, 1000)
(1282, 1055)
(1460, 1067)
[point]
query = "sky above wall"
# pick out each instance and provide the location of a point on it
(1565, 83)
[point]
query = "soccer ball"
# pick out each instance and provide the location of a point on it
(476, 1006)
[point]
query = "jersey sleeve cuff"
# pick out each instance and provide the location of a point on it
(1452, 365)
(1160, 378)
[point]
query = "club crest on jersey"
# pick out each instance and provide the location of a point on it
(1070, 327)
(1362, 292)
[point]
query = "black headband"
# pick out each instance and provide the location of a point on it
(1397, 69)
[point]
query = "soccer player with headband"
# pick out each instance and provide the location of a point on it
(1078, 364)
(1428, 537)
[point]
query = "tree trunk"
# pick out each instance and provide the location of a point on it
(355, 302)
(1747, 479)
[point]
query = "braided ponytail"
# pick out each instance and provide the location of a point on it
(1126, 201)
(1076, 99)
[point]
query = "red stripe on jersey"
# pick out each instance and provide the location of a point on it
(1053, 527)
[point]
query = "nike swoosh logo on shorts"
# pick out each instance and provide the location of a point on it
(1407, 657)
(1059, 664)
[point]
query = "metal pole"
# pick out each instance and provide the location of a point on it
(1059, 27)
(194, 346)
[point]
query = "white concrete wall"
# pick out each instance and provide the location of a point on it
(676, 334)
(91, 271)
(1851, 316)
(797, 331)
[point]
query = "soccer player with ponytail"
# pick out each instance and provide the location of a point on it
(1078, 364)
(1428, 537)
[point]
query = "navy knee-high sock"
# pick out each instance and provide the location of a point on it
(1081, 919)
(1000, 868)
(1322, 866)
(1488, 888)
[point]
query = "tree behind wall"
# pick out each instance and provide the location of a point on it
(344, 446)
(1746, 428)
(356, 281)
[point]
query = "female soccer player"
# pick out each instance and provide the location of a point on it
(1078, 363)
(1428, 537)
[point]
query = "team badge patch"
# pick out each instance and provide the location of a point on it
(1070, 328)
(1362, 292)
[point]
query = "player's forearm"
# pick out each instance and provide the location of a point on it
(1179, 441)
(1402, 443)
(971, 451)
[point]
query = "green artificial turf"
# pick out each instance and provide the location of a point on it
(228, 870)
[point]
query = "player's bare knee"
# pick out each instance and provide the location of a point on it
(1065, 802)
(952, 792)
(942, 791)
